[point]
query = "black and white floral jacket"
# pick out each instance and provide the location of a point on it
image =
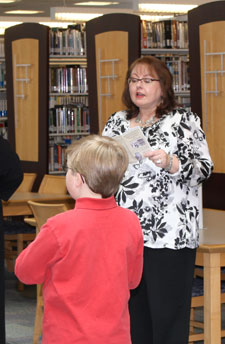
(167, 204)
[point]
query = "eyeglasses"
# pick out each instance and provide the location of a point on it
(134, 81)
(69, 168)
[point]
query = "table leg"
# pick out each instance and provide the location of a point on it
(212, 294)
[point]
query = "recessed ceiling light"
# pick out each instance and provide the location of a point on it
(23, 12)
(96, 3)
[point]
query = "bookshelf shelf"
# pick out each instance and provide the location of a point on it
(67, 60)
(82, 133)
(55, 94)
(182, 94)
(165, 51)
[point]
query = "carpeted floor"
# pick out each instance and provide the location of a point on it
(20, 312)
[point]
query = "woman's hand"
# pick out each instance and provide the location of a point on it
(163, 160)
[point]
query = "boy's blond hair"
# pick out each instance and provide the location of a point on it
(101, 160)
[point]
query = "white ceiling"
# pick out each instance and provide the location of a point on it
(44, 5)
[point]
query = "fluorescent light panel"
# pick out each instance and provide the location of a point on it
(23, 12)
(155, 17)
(7, 1)
(5, 25)
(77, 14)
(96, 3)
(165, 8)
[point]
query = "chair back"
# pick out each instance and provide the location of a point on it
(53, 184)
(27, 183)
(42, 211)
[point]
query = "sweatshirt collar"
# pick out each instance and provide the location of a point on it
(95, 203)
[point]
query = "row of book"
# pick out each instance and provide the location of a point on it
(2, 48)
(167, 34)
(57, 153)
(67, 100)
(2, 75)
(179, 68)
(69, 119)
(3, 104)
(57, 156)
(69, 41)
(68, 79)
(3, 129)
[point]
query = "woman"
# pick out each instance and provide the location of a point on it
(162, 190)
(11, 176)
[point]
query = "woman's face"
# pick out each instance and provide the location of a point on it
(144, 94)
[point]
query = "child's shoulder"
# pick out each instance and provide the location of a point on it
(128, 213)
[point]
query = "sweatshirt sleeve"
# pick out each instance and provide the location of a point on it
(11, 174)
(136, 267)
(34, 262)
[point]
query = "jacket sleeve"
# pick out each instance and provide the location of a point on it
(34, 262)
(11, 174)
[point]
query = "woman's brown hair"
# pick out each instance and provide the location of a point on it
(159, 70)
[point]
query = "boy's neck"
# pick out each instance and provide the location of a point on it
(85, 191)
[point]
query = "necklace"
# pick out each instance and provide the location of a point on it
(145, 123)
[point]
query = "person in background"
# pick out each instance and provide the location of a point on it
(11, 176)
(90, 257)
(162, 190)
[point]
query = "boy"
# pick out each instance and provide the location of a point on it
(89, 257)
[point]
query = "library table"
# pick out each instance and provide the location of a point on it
(17, 205)
(211, 255)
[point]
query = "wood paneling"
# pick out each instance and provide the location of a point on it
(28, 118)
(118, 36)
(25, 91)
(108, 104)
(212, 12)
(212, 117)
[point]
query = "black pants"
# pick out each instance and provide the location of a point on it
(2, 288)
(160, 306)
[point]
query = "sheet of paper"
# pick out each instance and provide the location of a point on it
(135, 143)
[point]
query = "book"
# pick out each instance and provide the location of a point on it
(136, 144)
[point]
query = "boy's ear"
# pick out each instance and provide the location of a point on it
(78, 179)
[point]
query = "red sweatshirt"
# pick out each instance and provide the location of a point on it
(88, 259)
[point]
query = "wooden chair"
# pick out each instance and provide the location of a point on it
(27, 183)
(53, 184)
(197, 327)
(42, 211)
(49, 184)
(17, 234)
